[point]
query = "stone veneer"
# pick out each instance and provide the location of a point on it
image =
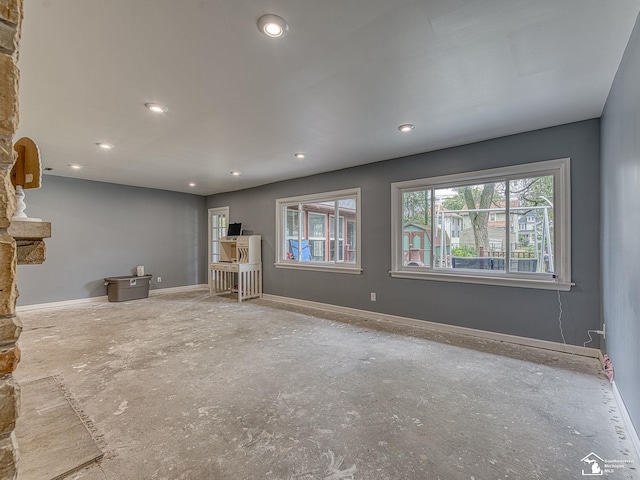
(10, 327)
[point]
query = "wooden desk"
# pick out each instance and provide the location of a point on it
(245, 279)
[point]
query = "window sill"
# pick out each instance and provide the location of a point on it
(485, 280)
(320, 268)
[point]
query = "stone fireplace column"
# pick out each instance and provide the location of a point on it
(10, 327)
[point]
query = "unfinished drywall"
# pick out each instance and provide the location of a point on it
(516, 311)
(620, 228)
(103, 230)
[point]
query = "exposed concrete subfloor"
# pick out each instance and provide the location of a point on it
(188, 386)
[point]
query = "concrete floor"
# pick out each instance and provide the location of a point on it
(186, 386)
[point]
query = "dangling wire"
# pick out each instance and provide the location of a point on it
(590, 339)
(560, 319)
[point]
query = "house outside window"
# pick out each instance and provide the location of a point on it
(332, 239)
(292, 223)
(317, 235)
(306, 229)
(515, 227)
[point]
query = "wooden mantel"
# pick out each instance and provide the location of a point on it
(29, 238)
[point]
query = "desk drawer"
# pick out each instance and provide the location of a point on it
(225, 267)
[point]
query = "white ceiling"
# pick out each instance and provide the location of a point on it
(348, 73)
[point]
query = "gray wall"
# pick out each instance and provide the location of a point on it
(621, 229)
(101, 230)
(517, 311)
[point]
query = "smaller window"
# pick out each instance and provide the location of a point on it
(306, 229)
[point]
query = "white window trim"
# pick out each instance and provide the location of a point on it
(338, 267)
(562, 218)
(211, 212)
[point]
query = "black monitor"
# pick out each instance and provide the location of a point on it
(234, 229)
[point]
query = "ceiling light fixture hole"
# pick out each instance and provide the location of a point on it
(406, 127)
(156, 107)
(273, 26)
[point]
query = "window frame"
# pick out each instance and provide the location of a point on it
(213, 245)
(214, 238)
(325, 266)
(559, 280)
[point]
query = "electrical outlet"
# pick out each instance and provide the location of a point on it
(373, 296)
(159, 279)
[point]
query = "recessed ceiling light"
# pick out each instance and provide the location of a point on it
(156, 107)
(300, 155)
(191, 184)
(236, 173)
(75, 166)
(106, 146)
(405, 128)
(273, 26)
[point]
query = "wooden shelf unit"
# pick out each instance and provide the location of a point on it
(239, 269)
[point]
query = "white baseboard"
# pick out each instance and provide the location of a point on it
(631, 430)
(440, 327)
(61, 304)
(162, 291)
(102, 299)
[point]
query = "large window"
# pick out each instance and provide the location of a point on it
(306, 231)
(505, 226)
